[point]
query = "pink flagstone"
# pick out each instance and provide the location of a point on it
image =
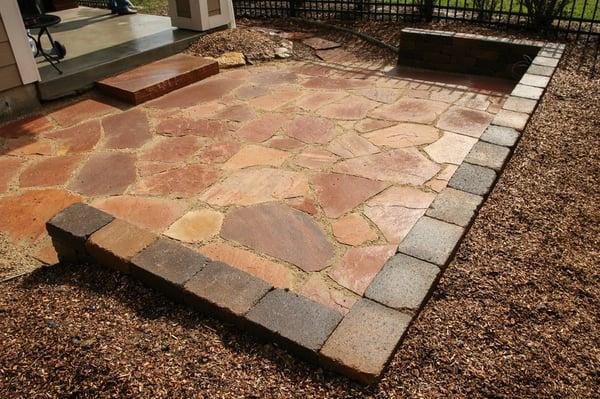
(311, 129)
(353, 230)
(403, 135)
(410, 110)
(252, 155)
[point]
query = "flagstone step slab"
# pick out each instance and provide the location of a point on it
(153, 80)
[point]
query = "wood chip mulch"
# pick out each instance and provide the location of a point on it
(516, 314)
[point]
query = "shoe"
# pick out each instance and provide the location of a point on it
(127, 11)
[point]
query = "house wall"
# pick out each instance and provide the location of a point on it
(9, 71)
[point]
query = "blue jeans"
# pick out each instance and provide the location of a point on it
(117, 5)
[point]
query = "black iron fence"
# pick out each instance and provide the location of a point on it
(580, 17)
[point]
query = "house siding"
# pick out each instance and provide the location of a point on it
(9, 71)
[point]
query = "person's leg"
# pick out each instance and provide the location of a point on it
(112, 4)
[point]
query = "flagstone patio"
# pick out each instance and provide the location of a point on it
(304, 175)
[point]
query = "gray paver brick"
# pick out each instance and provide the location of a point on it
(540, 70)
(525, 91)
(520, 104)
(365, 340)
(500, 135)
(535, 80)
(489, 155)
(404, 282)
(299, 322)
(454, 206)
(224, 288)
(473, 179)
(431, 240)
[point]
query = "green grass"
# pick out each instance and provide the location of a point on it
(158, 7)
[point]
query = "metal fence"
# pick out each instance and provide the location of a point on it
(580, 17)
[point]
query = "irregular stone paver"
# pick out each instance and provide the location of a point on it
(351, 108)
(154, 214)
(410, 110)
(353, 230)
(431, 240)
(404, 166)
(252, 155)
(455, 206)
(77, 139)
(185, 126)
(358, 266)
(351, 145)
(464, 121)
(364, 352)
(270, 78)
(477, 101)
(262, 128)
(26, 145)
(271, 101)
(285, 143)
(403, 283)
(247, 187)
(311, 130)
(314, 101)
(450, 148)
(219, 151)
(49, 172)
(330, 83)
(250, 91)
(409, 197)
(281, 232)
(315, 158)
(24, 214)
(403, 135)
(238, 113)
(185, 181)
(368, 125)
(196, 226)
(338, 193)
(29, 126)
(171, 149)
(203, 92)
(105, 174)
(275, 273)
(9, 167)
(130, 129)
(394, 221)
(317, 289)
(303, 204)
(79, 111)
(385, 95)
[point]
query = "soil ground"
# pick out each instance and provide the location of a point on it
(516, 313)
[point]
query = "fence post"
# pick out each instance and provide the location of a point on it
(292, 5)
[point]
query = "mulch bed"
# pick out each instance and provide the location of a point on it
(516, 314)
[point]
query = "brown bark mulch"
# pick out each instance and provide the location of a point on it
(516, 314)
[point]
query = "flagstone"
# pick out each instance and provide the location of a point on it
(196, 226)
(394, 222)
(185, 181)
(477, 101)
(446, 95)
(314, 101)
(47, 254)
(250, 91)
(318, 289)
(351, 108)
(79, 111)
(154, 214)
(237, 113)
(105, 174)
(404, 135)
(315, 158)
(339, 193)
(9, 167)
(465, 121)
(171, 149)
(353, 230)
(253, 155)
(272, 272)
(311, 129)
(27, 145)
(219, 151)
(76, 139)
(385, 95)
(271, 101)
(24, 214)
(252, 186)
(262, 128)
(303, 204)
(29, 126)
(367, 125)
(203, 92)
(410, 110)
(337, 55)
(153, 168)
(202, 110)
(130, 129)
(271, 78)
(282, 232)
(285, 143)
(185, 126)
(318, 43)
(49, 172)
(351, 145)
(330, 83)
(409, 197)
(403, 166)
(451, 148)
(359, 266)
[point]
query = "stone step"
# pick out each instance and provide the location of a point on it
(153, 80)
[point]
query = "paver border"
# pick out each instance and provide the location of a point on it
(360, 344)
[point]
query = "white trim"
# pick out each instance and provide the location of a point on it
(17, 37)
